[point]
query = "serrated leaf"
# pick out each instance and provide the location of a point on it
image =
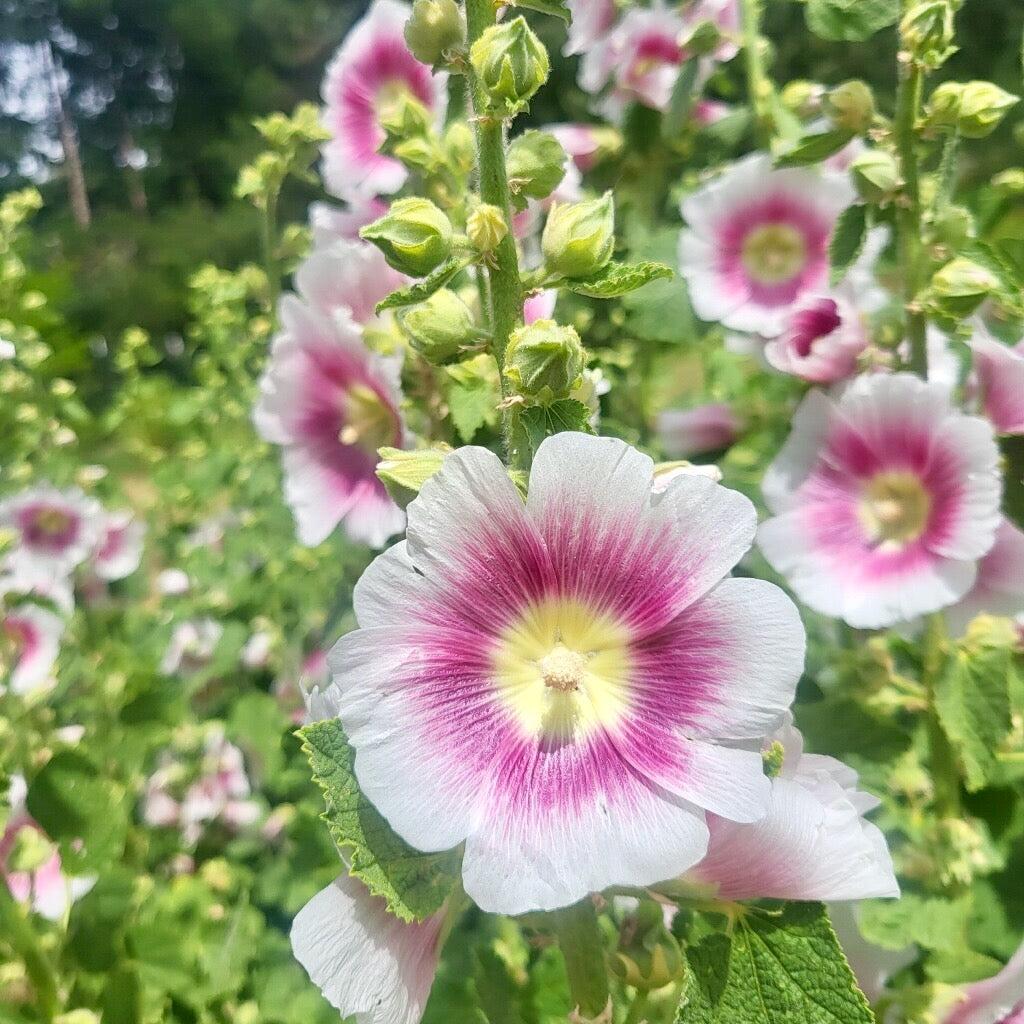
(933, 922)
(618, 279)
(414, 884)
(473, 395)
(813, 148)
(972, 699)
(850, 21)
(422, 290)
(541, 421)
(684, 92)
(556, 8)
(774, 967)
(847, 242)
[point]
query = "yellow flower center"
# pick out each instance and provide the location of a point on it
(52, 521)
(774, 253)
(563, 668)
(895, 508)
(369, 423)
(387, 102)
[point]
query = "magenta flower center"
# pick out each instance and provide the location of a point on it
(774, 253)
(49, 528)
(895, 508)
(809, 325)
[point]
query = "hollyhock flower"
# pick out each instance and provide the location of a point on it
(708, 112)
(371, 71)
(725, 16)
(540, 306)
(331, 403)
(813, 844)
(999, 588)
(31, 640)
(56, 530)
(44, 885)
(191, 646)
(999, 371)
(565, 685)
(591, 20)
(331, 224)
(369, 964)
(996, 1000)
(884, 500)
(757, 242)
(256, 652)
(119, 549)
(685, 432)
(821, 338)
(581, 142)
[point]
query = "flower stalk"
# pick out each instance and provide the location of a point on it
(759, 88)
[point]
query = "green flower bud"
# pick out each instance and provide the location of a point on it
(405, 118)
(876, 175)
(544, 361)
(440, 328)
(958, 288)
(851, 106)
(434, 29)
(702, 41)
(982, 106)
(404, 473)
(1010, 182)
(802, 97)
(648, 955)
(414, 235)
(953, 226)
(927, 32)
(486, 227)
(535, 162)
(511, 64)
(578, 238)
(459, 147)
(944, 104)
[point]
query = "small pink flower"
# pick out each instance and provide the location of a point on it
(591, 20)
(331, 403)
(884, 499)
(999, 588)
(581, 142)
(996, 1000)
(540, 306)
(686, 432)
(370, 71)
(369, 964)
(31, 635)
(757, 242)
(822, 337)
(119, 549)
(708, 112)
(999, 371)
(331, 224)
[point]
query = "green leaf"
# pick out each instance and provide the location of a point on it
(618, 279)
(847, 240)
(932, 922)
(684, 92)
(579, 938)
(414, 884)
(122, 996)
(972, 699)
(774, 967)
(1012, 449)
(812, 148)
(556, 8)
(542, 421)
(422, 290)
(473, 395)
(850, 21)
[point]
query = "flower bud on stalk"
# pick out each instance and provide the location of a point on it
(927, 32)
(486, 227)
(983, 105)
(875, 175)
(648, 955)
(958, 288)
(414, 236)
(579, 238)
(544, 361)
(440, 328)
(851, 106)
(435, 28)
(535, 162)
(510, 63)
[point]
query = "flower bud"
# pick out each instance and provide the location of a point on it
(511, 64)
(875, 175)
(440, 328)
(578, 238)
(404, 473)
(414, 236)
(405, 118)
(434, 28)
(486, 227)
(944, 104)
(802, 97)
(953, 226)
(535, 162)
(927, 32)
(648, 955)
(459, 147)
(544, 360)
(982, 106)
(958, 288)
(851, 106)
(702, 41)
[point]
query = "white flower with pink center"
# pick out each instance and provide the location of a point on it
(999, 588)
(369, 964)
(56, 531)
(757, 242)
(581, 142)
(996, 1000)
(999, 376)
(331, 403)
(813, 844)
(29, 645)
(370, 73)
(821, 338)
(565, 685)
(332, 224)
(884, 499)
(119, 550)
(591, 20)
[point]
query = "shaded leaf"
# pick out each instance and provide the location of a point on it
(422, 290)
(850, 21)
(542, 421)
(847, 240)
(812, 148)
(618, 279)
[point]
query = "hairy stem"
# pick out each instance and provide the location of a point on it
(944, 768)
(759, 88)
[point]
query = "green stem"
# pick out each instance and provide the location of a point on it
(944, 768)
(759, 88)
(637, 1007)
(908, 211)
(579, 937)
(18, 932)
(268, 237)
(506, 296)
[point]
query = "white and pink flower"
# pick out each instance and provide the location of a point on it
(999, 376)
(372, 70)
(331, 403)
(332, 224)
(885, 498)
(996, 1000)
(686, 432)
(999, 588)
(591, 20)
(821, 339)
(368, 963)
(31, 641)
(119, 549)
(757, 242)
(567, 685)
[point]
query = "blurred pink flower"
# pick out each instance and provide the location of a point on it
(996, 1000)
(119, 549)
(331, 224)
(821, 338)
(999, 373)
(591, 20)
(191, 646)
(685, 432)
(31, 639)
(999, 588)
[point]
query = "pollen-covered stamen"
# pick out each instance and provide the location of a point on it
(774, 253)
(368, 420)
(895, 508)
(563, 668)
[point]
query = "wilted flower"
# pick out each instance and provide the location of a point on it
(999, 372)
(686, 432)
(757, 242)
(365, 80)
(821, 338)
(29, 645)
(331, 403)
(884, 500)
(191, 646)
(368, 963)
(119, 549)
(563, 685)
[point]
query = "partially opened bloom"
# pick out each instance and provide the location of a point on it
(565, 685)
(884, 500)
(369, 964)
(757, 242)
(996, 1000)
(119, 549)
(365, 79)
(822, 337)
(331, 403)
(29, 646)
(813, 844)
(999, 588)
(999, 373)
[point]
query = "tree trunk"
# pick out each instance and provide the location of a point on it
(77, 194)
